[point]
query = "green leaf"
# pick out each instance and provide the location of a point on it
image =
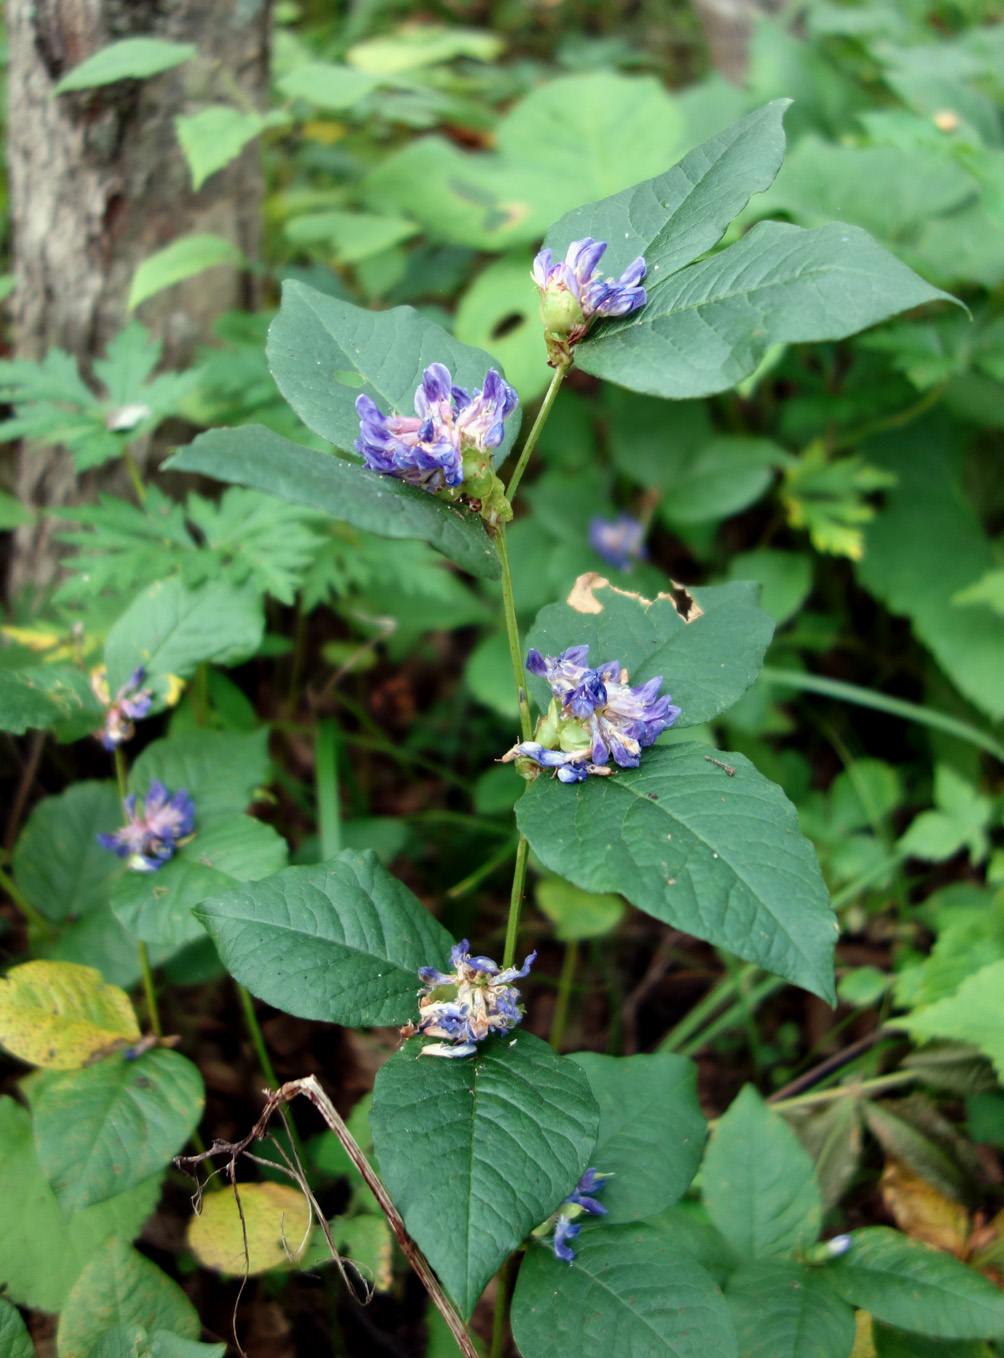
(350, 236)
(135, 1341)
(220, 770)
(340, 942)
(960, 822)
(128, 59)
(498, 312)
(478, 1151)
(58, 863)
(915, 1287)
(707, 663)
(327, 84)
(170, 630)
(577, 914)
(725, 476)
(891, 1343)
(323, 353)
(785, 577)
(122, 1287)
(707, 327)
(651, 1130)
(41, 1252)
(759, 1184)
(183, 258)
(53, 697)
(973, 1014)
(102, 1130)
(782, 1310)
(254, 456)
(900, 569)
(570, 140)
(630, 1290)
(60, 1016)
(13, 514)
(214, 137)
(15, 1341)
(683, 212)
(720, 857)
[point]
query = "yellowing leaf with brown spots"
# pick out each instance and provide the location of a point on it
(60, 1015)
(864, 1342)
(922, 1212)
(273, 1214)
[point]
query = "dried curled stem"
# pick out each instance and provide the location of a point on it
(311, 1089)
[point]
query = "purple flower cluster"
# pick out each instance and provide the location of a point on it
(566, 1228)
(152, 834)
(427, 449)
(130, 704)
(621, 541)
(483, 1001)
(596, 714)
(572, 293)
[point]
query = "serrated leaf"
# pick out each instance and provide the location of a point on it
(630, 1290)
(51, 697)
(276, 1218)
(213, 137)
(759, 1184)
(15, 1341)
(973, 1014)
(58, 1015)
(706, 664)
(323, 353)
(41, 1252)
(782, 1310)
(720, 857)
(183, 258)
(121, 1287)
(220, 770)
(916, 1288)
(651, 1130)
(170, 630)
(102, 1130)
(340, 942)
(128, 59)
(478, 1151)
(707, 327)
(254, 456)
(58, 863)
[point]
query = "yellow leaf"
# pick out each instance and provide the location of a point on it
(60, 1015)
(273, 1213)
(922, 1212)
(864, 1342)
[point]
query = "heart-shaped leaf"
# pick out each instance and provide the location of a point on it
(476, 1152)
(340, 942)
(254, 456)
(717, 855)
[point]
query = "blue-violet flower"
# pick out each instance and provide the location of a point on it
(620, 541)
(566, 1228)
(465, 1005)
(427, 449)
(571, 293)
(153, 833)
(131, 703)
(595, 714)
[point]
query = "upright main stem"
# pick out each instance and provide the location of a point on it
(534, 434)
(153, 1012)
(512, 632)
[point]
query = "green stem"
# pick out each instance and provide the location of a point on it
(326, 781)
(515, 901)
(151, 995)
(896, 421)
(34, 917)
(854, 1089)
(735, 1014)
(745, 1008)
(719, 994)
(461, 889)
(120, 772)
(256, 1035)
(534, 434)
(512, 633)
(134, 476)
(504, 1277)
(896, 707)
(564, 991)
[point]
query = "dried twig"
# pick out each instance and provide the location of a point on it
(311, 1089)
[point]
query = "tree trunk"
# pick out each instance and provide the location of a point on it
(98, 183)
